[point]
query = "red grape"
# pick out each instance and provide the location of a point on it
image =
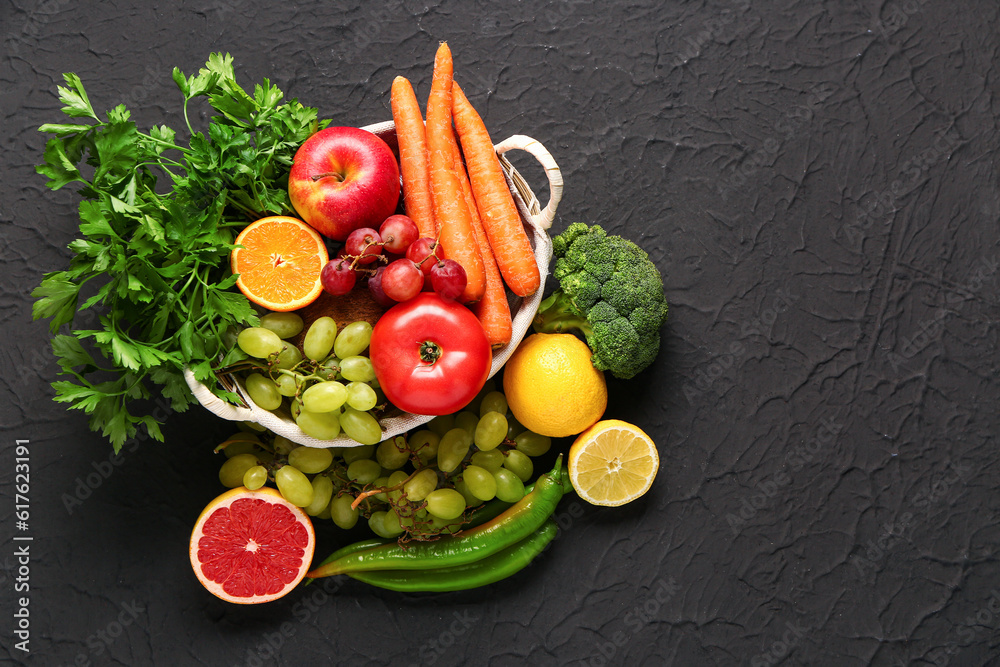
(364, 243)
(402, 280)
(398, 232)
(338, 277)
(375, 287)
(420, 249)
(448, 278)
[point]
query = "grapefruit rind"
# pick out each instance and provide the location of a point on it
(249, 547)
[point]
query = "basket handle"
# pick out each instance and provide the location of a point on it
(544, 219)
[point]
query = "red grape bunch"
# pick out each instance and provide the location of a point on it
(398, 265)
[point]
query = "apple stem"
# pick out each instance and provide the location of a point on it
(316, 177)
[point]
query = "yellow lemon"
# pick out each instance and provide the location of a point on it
(551, 386)
(612, 463)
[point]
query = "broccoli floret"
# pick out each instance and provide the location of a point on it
(611, 292)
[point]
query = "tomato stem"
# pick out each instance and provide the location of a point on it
(429, 351)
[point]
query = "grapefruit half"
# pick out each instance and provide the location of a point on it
(249, 547)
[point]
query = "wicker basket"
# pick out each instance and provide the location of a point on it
(536, 221)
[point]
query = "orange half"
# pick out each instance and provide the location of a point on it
(280, 263)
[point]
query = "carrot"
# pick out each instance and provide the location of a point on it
(413, 156)
(492, 310)
(496, 206)
(454, 224)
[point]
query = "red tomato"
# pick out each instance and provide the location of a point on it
(431, 355)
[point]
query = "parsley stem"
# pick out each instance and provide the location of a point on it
(243, 208)
(194, 272)
(211, 320)
(160, 162)
(186, 121)
(139, 378)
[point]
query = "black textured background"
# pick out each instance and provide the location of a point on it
(818, 183)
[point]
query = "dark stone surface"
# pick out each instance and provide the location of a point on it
(817, 180)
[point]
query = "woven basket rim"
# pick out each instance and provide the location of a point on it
(528, 207)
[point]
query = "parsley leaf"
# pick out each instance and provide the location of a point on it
(158, 257)
(75, 98)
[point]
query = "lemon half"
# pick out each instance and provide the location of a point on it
(612, 463)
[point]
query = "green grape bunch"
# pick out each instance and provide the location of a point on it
(328, 386)
(416, 486)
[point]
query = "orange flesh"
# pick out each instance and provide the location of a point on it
(280, 263)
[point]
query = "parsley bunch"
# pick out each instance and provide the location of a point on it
(158, 264)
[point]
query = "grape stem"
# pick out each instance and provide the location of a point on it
(244, 365)
(381, 489)
(233, 439)
(300, 377)
(433, 253)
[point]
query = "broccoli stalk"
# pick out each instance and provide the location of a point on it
(558, 314)
(611, 293)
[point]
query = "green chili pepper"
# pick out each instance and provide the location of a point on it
(350, 549)
(491, 510)
(478, 516)
(513, 525)
(496, 507)
(461, 577)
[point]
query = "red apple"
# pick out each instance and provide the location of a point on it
(342, 179)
